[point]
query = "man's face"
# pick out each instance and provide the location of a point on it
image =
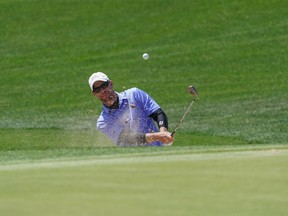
(104, 91)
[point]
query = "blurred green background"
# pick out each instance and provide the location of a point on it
(234, 52)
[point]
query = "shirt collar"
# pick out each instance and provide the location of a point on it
(121, 97)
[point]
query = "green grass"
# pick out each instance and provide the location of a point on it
(234, 52)
(201, 183)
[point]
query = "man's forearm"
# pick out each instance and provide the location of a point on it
(164, 137)
(128, 138)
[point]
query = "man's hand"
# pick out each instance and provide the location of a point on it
(163, 136)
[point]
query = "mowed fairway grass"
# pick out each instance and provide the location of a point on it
(216, 183)
(230, 154)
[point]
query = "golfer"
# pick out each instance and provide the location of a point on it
(129, 118)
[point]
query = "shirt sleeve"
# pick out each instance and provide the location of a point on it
(145, 101)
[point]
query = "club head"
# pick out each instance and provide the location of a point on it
(192, 90)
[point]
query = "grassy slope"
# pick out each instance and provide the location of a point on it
(234, 52)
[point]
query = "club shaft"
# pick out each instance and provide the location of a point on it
(183, 117)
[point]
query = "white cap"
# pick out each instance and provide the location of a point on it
(99, 76)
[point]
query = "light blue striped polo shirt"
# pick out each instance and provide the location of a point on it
(135, 106)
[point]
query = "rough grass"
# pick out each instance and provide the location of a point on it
(234, 52)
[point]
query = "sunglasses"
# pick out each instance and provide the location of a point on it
(101, 87)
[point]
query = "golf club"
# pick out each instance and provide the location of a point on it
(193, 91)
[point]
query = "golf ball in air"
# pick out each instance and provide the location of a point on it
(145, 56)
